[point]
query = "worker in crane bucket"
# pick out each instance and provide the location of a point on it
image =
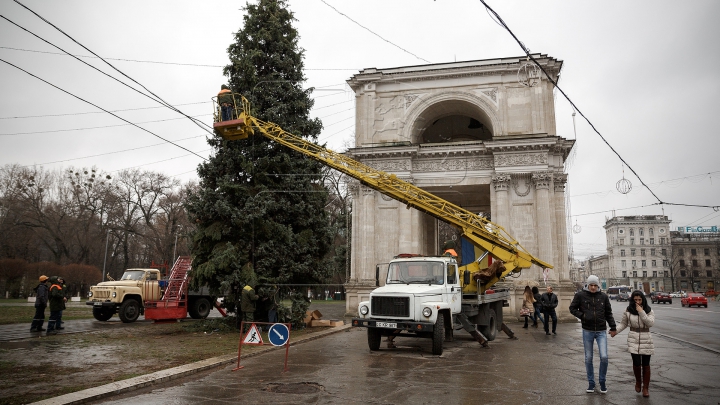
(225, 100)
(449, 249)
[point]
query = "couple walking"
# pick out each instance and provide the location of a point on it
(534, 303)
(593, 308)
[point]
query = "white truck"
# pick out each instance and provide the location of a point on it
(423, 297)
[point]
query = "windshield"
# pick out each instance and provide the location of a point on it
(133, 275)
(423, 272)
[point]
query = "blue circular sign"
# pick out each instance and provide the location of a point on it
(279, 334)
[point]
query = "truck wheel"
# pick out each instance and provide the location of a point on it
(129, 310)
(489, 331)
(200, 308)
(438, 335)
(102, 314)
(374, 339)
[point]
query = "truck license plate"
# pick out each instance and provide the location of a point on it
(97, 304)
(386, 325)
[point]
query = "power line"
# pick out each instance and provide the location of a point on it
(95, 112)
(110, 153)
(374, 33)
(331, 135)
(529, 56)
(146, 61)
(336, 113)
(116, 69)
(100, 108)
(331, 105)
(655, 183)
(98, 127)
(159, 161)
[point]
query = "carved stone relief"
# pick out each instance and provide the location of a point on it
(524, 189)
(501, 181)
(409, 98)
(542, 180)
(491, 94)
(401, 165)
(559, 180)
(523, 159)
(452, 164)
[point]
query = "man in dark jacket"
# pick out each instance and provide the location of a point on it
(593, 308)
(57, 304)
(549, 302)
(41, 301)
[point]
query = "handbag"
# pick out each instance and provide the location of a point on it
(525, 311)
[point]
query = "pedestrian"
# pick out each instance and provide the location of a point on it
(593, 308)
(57, 304)
(537, 314)
(549, 302)
(41, 301)
(640, 318)
(248, 304)
(60, 322)
(527, 306)
(226, 102)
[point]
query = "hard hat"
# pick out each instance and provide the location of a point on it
(43, 279)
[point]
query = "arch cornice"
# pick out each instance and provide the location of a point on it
(424, 102)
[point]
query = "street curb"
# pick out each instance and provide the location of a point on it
(131, 384)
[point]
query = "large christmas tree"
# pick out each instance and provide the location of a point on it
(260, 202)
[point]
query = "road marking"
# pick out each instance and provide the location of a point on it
(686, 342)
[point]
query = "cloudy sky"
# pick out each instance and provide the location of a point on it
(644, 73)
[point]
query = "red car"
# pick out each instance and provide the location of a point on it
(694, 299)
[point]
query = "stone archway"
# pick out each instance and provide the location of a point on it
(451, 116)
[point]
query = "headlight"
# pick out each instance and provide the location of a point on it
(114, 294)
(364, 310)
(89, 294)
(427, 312)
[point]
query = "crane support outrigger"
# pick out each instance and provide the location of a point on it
(484, 234)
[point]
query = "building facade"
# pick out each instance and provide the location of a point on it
(695, 261)
(638, 251)
(600, 266)
(480, 134)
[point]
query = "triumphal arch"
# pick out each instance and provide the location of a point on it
(480, 134)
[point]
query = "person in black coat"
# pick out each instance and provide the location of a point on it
(41, 301)
(537, 307)
(549, 302)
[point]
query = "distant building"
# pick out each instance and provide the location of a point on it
(638, 251)
(600, 266)
(695, 260)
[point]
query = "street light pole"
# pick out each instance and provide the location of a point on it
(107, 241)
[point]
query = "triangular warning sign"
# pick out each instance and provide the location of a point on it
(253, 336)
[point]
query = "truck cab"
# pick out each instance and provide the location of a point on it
(419, 298)
(126, 295)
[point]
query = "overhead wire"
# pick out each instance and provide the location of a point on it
(535, 61)
(98, 107)
(159, 99)
(96, 112)
(374, 33)
(111, 153)
(98, 127)
(151, 61)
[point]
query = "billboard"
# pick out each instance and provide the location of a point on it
(693, 229)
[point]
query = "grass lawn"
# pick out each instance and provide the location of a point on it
(16, 313)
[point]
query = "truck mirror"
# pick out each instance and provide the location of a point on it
(377, 276)
(466, 277)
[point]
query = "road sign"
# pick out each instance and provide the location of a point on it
(278, 334)
(253, 336)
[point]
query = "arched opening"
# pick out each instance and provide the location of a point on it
(452, 121)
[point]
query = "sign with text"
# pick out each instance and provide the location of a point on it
(695, 229)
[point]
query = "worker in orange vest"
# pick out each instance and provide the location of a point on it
(449, 249)
(225, 100)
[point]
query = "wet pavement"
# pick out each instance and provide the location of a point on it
(535, 368)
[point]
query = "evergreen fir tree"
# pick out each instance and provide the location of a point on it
(259, 201)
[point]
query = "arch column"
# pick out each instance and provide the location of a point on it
(542, 181)
(500, 205)
(559, 182)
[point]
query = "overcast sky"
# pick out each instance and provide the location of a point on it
(644, 72)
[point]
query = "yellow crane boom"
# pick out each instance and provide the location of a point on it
(483, 233)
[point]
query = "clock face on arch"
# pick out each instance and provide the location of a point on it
(621, 231)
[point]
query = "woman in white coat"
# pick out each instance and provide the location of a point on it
(639, 318)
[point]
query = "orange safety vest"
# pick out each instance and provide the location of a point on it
(452, 252)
